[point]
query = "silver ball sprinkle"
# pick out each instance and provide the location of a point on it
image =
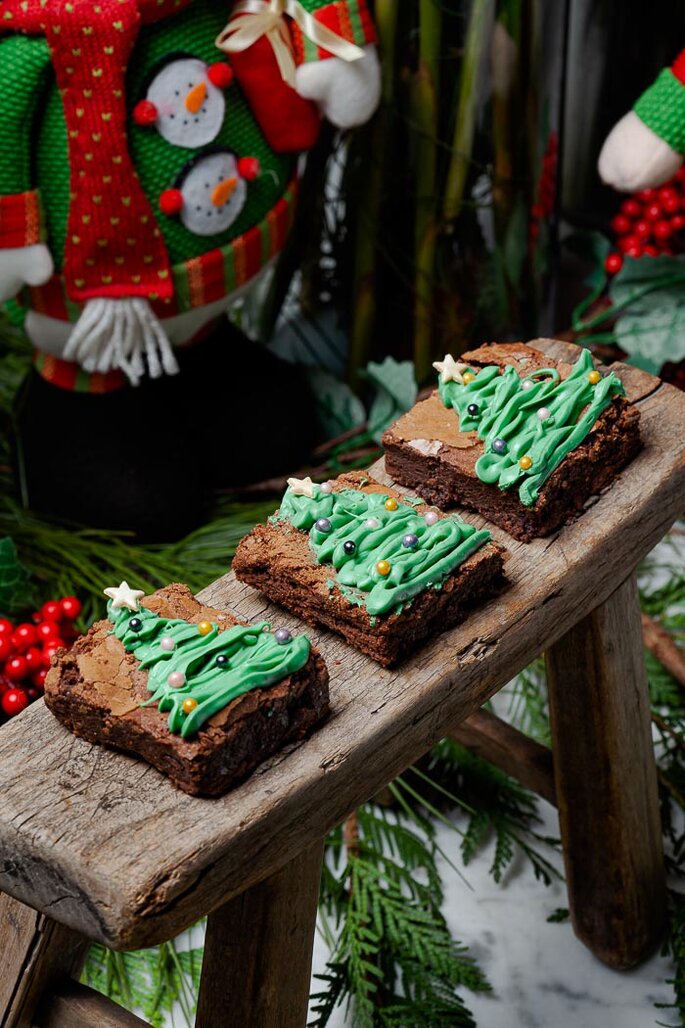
(323, 525)
(372, 523)
(410, 541)
(282, 636)
(499, 446)
(431, 518)
(326, 487)
(527, 384)
(544, 413)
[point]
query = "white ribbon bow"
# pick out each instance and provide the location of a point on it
(253, 19)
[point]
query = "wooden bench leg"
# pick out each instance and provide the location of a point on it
(606, 782)
(35, 953)
(258, 951)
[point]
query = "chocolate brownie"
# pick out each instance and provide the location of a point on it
(98, 688)
(526, 453)
(433, 567)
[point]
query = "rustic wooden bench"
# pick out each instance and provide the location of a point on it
(97, 846)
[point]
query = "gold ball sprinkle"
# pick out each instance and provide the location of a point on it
(189, 705)
(391, 503)
(594, 377)
(467, 377)
(205, 627)
(383, 567)
(525, 463)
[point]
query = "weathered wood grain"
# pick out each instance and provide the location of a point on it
(606, 782)
(511, 751)
(35, 953)
(76, 1006)
(105, 844)
(257, 963)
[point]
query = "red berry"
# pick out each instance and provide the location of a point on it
(651, 251)
(52, 611)
(662, 229)
(16, 668)
(680, 174)
(14, 701)
(620, 224)
(32, 693)
(220, 74)
(653, 212)
(626, 243)
(71, 607)
(24, 636)
(642, 229)
(6, 627)
(48, 630)
(145, 113)
(647, 195)
(39, 678)
(50, 649)
(670, 201)
(631, 208)
(6, 648)
(613, 263)
(34, 659)
(678, 222)
(36, 617)
(249, 168)
(171, 202)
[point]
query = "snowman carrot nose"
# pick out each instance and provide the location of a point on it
(196, 97)
(222, 193)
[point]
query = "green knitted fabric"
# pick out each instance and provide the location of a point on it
(25, 71)
(191, 33)
(662, 108)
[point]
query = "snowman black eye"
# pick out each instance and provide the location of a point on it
(177, 93)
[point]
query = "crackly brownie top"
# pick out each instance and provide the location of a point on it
(195, 670)
(381, 550)
(528, 421)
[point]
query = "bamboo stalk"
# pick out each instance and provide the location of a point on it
(477, 36)
(426, 120)
(371, 198)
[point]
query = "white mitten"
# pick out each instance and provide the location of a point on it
(633, 157)
(346, 92)
(24, 266)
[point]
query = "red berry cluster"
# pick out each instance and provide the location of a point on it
(648, 223)
(27, 649)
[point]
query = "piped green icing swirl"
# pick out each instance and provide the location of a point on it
(508, 411)
(439, 550)
(254, 660)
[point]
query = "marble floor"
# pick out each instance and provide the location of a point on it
(541, 976)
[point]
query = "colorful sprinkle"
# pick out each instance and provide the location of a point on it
(167, 643)
(326, 487)
(189, 705)
(283, 636)
(372, 523)
(594, 378)
(135, 624)
(467, 377)
(431, 518)
(383, 568)
(499, 446)
(527, 384)
(205, 627)
(350, 547)
(323, 525)
(391, 503)
(526, 463)
(221, 660)
(544, 413)
(176, 680)
(410, 541)
(473, 409)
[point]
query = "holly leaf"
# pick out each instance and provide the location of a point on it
(650, 295)
(14, 578)
(337, 408)
(396, 392)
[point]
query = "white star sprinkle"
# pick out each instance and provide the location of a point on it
(302, 487)
(450, 370)
(124, 596)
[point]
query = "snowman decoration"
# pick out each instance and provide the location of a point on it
(182, 121)
(646, 147)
